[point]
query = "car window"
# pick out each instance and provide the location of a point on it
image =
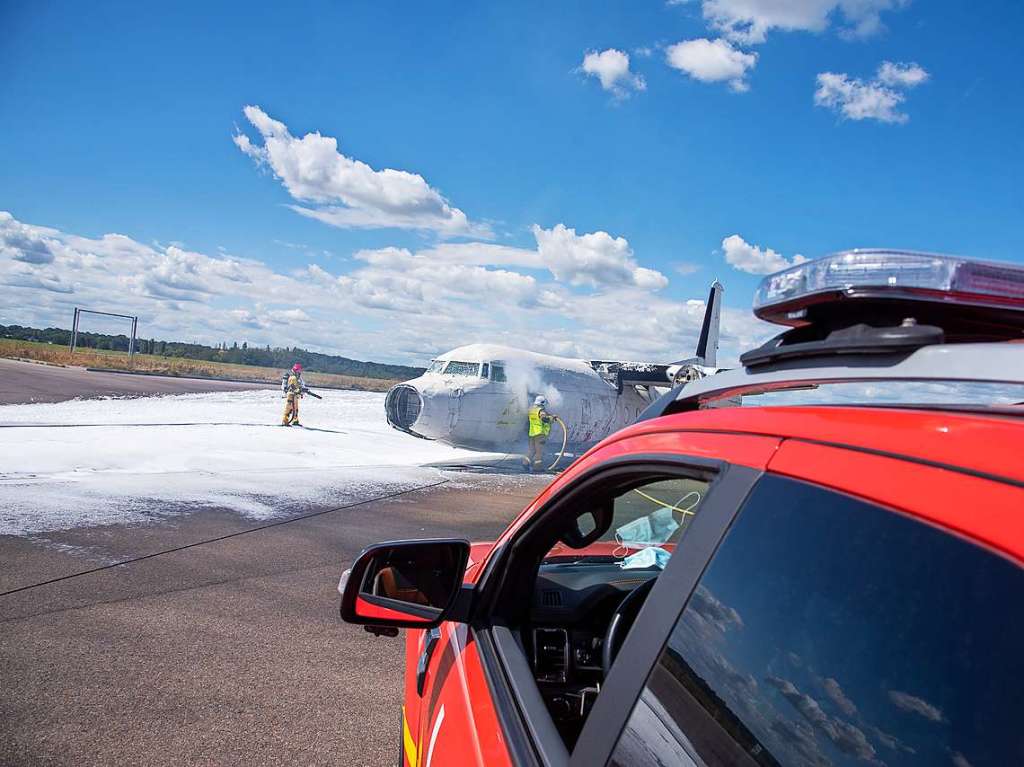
(829, 631)
(498, 373)
(654, 515)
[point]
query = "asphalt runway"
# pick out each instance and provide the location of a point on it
(228, 653)
(23, 382)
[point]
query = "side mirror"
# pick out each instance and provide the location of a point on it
(404, 584)
(587, 527)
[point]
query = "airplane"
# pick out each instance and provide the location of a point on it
(477, 396)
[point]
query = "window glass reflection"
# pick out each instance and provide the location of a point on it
(828, 631)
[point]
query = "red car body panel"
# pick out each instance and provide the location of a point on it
(935, 465)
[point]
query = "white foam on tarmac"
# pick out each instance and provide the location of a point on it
(124, 464)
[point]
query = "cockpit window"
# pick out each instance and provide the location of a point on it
(498, 373)
(462, 369)
(436, 366)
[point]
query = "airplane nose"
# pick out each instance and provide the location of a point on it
(403, 405)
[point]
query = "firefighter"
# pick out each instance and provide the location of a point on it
(292, 393)
(540, 428)
(295, 371)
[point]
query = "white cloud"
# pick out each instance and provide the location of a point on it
(593, 259)
(390, 304)
(346, 192)
(752, 259)
(749, 21)
(901, 75)
(915, 705)
(835, 692)
(858, 100)
(712, 61)
(878, 99)
(611, 68)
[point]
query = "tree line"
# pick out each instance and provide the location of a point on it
(243, 354)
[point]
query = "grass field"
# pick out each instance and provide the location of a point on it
(176, 366)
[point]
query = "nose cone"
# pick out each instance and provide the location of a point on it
(403, 405)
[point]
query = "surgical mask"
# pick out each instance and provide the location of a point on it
(657, 527)
(652, 556)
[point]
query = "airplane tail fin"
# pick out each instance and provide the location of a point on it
(707, 345)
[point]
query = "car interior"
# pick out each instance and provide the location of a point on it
(596, 557)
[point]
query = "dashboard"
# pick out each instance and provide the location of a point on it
(572, 606)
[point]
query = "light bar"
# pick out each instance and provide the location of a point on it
(886, 275)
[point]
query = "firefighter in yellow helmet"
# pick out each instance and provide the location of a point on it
(292, 393)
(540, 428)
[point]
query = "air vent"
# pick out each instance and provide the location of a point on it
(551, 598)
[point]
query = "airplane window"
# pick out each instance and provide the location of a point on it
(499, 373)
(485, 371)
(462, 368)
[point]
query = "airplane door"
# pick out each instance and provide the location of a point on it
(454, 406)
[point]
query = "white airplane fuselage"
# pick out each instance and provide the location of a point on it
(478, 396)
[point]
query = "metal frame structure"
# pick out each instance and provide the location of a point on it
(78, 314)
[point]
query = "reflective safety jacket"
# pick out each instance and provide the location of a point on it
(540, 422)
(294, 387)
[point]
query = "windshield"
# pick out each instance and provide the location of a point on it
(462, 368)
(436, 366)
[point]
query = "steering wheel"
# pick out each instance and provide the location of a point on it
(622, 620)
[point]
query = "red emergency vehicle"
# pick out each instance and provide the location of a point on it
(829, 584)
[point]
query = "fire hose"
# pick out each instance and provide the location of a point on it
(565, 440)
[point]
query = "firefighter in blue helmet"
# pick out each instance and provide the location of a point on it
(540, 428)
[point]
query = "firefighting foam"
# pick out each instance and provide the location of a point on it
(106, 461)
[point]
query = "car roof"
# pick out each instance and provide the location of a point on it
(986, 444)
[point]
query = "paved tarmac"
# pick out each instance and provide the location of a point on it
(228, 653)
(23, 382)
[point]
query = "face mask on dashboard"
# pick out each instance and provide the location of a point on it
(657, 527)
(652, 556)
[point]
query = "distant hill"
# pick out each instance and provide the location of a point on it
(236, 354)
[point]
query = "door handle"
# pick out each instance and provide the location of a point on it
(433, 636)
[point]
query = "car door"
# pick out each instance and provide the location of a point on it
(480, 704)
(840, 622)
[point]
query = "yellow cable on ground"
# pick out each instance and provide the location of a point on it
(565, 440)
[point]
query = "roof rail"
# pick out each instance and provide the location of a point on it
(985, 363)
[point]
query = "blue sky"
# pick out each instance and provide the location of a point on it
(116, 118)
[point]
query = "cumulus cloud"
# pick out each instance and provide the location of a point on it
(21, 243)
(752, 259)
(877, 99)
(346, 192)
(712, 61)
(716, 613)
(847, 737)
(593, 259)
(835, 692)
(915, 705)
(749, 21)
(901, 75)
(423, 302)
(611, 68)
